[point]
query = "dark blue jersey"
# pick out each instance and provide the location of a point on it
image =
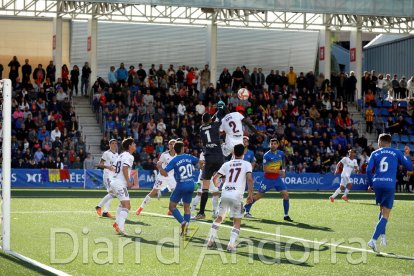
(183, 166)
(249, 156)
(383, 165)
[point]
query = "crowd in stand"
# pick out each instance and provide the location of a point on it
(307, 113)
(45, 130)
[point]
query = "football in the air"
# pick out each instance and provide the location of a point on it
(243, 94)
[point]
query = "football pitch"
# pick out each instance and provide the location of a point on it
(60, 228)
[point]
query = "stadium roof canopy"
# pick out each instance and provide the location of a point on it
(378, 16)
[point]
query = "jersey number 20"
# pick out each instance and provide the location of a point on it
(186, 171)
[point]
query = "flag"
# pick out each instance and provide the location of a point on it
(54, 175)
(64, 174)
(45, 175)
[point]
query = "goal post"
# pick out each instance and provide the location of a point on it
(6, 109)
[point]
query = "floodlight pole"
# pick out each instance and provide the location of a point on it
(6, 166)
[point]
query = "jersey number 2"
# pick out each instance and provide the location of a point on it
(233, 126)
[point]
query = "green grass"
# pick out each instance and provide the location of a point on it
(35, 213)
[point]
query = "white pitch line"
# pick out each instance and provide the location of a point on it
(295, 238)
(244, 230)
(36, 263)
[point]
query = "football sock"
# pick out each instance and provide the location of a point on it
(147, 200)
(286, 206)
(107, 205)
(187, 217)
(379, 215)
(213, 230)
(104, 200)
(337, 192)
(195, 202)
(346, 192)
(120, 219)
(233, 235)
(204, 198)
(380, 228)
(118, 210)
(215, 201)
(248, 206)
(176, 213)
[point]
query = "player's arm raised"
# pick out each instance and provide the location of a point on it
(249, 187)
(251, 127)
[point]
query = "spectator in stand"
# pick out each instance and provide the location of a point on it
(74, 78)
(112, 76)
(122, 74)
(398, 127)
(86, 72)
(55, 133)
(395, 87)
(369, 119)
(292, 78)
(14, 65)
(89, 163)
(410, 87)
(350, 87)
(39, 75)
(403, 87)
(51, 71)
(26, 72)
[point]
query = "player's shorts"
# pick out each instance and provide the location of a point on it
(228, 146)
(231, 205)
(212, 188)
(211, 167)
(269, 183)
(164, 182)
(384, 196)
(345, 180)
(184, 192)
(120, 192)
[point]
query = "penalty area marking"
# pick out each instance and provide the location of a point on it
(390, 255)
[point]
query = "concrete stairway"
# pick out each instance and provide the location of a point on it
(91, 129)
(358, 116)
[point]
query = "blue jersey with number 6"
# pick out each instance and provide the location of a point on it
(183, 166)
(382, 167)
